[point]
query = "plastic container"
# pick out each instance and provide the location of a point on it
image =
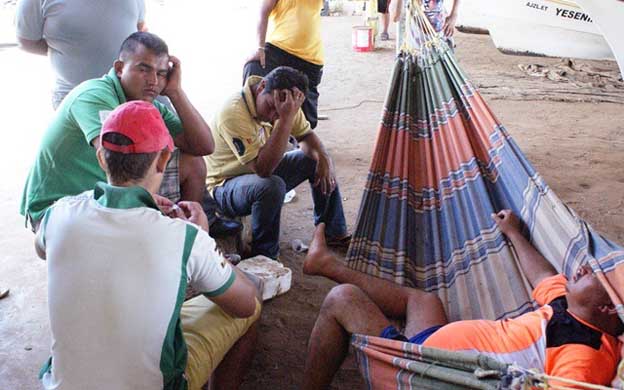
(362, 38)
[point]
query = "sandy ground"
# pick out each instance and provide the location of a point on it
(578, 148)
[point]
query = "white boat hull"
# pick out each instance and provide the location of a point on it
(473, 16)
(609, 16)
(557, 28)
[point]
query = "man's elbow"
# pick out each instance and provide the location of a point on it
(250, 309)
(196, 150)
(207, 145)
(33, 47)
(262, 171)
(246, 307)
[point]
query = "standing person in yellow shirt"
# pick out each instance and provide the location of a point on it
(289, 33)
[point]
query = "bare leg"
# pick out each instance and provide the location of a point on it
(345, 310)
(232, 369)
(192, 177)
(420, 309)
(385, 22)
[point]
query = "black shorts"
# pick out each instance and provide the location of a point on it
(382, 6)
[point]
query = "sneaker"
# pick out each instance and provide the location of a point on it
(384, 36)
(224, 227)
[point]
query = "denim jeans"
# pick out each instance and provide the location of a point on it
(263, 197)
(274, 57)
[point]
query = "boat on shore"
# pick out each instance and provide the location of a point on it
(556, 28)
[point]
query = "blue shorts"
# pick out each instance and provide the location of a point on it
(390, 332)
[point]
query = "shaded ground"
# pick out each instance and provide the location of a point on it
(578, 148)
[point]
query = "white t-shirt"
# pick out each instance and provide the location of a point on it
(117, 275)
(83, 36)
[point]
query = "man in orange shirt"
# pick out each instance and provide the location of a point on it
(572, 334)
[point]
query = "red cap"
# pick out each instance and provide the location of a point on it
(141, 122)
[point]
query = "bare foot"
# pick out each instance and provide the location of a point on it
(319, 257)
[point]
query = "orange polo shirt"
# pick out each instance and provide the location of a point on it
(550, 339)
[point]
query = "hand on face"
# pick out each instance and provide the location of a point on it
(325, 175)
(507, 222)
(287, 102)
(174, 78)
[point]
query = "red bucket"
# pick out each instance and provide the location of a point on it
(362, 38)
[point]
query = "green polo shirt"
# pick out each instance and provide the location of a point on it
(66, 163)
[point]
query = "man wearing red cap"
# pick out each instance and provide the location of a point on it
(125, 266)
(66, 163)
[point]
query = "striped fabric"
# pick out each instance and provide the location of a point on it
(442, 164)
(391, 364)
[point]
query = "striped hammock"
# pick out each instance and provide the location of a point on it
(442, 164)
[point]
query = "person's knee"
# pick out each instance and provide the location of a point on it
(192, 167)
(302, 163)
(424, 299)
(308, 165)
(270, 189)
(342, 297)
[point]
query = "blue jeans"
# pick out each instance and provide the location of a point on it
(263, 197)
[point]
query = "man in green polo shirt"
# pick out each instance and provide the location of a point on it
(66, 163)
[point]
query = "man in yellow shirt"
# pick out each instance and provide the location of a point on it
(250, 171)
(289, 33)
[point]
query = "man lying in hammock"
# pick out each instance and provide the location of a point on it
(571, 335)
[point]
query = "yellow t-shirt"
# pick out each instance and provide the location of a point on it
(295, 26)
(239, 135)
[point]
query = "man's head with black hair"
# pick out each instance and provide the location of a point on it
(148, 40)
(125, 167)
(143, 66)
(283, 78)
